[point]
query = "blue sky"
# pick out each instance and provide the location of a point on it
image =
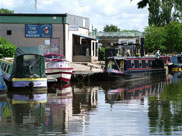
(121, 13)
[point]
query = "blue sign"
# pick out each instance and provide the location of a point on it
(35, 30)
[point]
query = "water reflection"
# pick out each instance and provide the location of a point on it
(27, 108)
(147, 107)
(133, 91)
(165, 112)
(59, 108)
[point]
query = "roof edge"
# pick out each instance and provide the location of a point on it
(33, 14)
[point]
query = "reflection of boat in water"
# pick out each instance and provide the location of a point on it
(59, 89)
(134, 90)
(27, 108)
(174, 77)
(59, 106)
(139, 89)
(27, 98)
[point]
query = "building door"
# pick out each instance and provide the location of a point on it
(55, 45)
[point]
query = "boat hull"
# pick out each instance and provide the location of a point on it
(133, 75)
(61, 74)
(27, 84)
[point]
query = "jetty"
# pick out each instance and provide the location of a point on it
(83, 70)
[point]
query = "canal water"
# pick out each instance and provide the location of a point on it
(146, 107)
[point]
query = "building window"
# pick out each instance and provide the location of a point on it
(9, 32)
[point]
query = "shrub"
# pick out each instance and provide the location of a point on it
(101, 54)
(7, 49)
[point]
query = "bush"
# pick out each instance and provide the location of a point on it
(7, 49)
(101, 54)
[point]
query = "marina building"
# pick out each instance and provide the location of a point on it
(55, 33)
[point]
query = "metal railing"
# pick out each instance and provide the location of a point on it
(118, 34)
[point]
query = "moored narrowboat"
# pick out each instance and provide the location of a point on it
(176, 63)
(3, 86)
(132, 68)
(26, 71)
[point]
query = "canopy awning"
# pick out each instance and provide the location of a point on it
(88, 37)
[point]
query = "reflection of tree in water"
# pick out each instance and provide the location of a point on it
(165, 114)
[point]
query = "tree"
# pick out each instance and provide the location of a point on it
(2, 10)
(173, 38)
(111, 28)
(167, 38)
(155, 38)
(162, 12)
(101, 54)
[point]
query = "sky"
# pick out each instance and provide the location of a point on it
(122, 13)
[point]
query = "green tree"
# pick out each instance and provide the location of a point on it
(111, 28)
(162, 12)
(154, 18)
(167, 38)
(101, 53)
(155, 38)
(7, 49)
(174, 37)
(2, 10)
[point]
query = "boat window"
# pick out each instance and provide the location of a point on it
(150, 63)
(28, 59)
(4, 68)
(140, 63)
(179, 60)
(122, 65)
(143, 64)
(147, 63)
(132, 64)
(8, 69)
(128, 64)
(111, 64)
(136, 63)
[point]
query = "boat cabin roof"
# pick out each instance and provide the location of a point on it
(29, 50)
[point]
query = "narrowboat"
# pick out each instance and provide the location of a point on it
(176, 63)
(58, 67)
(132, 68)
(26, 71)
(3, 86)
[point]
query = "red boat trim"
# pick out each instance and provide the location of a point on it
(140, 59)
(140, 88)
(138, 68)
(56, 54)
(65, 86)
(64, 94)
(65, 79)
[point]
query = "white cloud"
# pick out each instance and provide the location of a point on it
(122, 13)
